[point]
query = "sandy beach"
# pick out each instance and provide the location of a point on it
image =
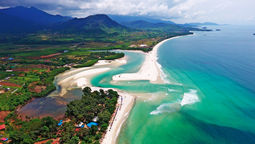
(81, 77)
(150, 69)
(124, 106)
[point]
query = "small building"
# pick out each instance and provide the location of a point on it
(9, 70)
(4, 139)
(10, 59)
(92, 124)
(77, 129)
(2, 127)
(81, 125)
(95, 119)
(7, 78)
(65, 51)
(60, 123)
(2, 91)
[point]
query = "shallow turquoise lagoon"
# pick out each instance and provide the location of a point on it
(210, 97)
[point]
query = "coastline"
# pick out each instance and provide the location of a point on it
(81, 77)
(124, 106)
(150, 69)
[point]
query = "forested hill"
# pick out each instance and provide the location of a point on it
(12, 24)
(99, 23)
(34, 15)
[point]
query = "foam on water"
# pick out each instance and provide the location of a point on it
(171, 90)
(163, 75)
(166, 108)
(190, 97)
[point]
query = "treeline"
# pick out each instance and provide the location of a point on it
(87, 64)
(63, 59)
(115, 56)
(107, 56)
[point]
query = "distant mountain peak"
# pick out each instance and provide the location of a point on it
(99, 23)
(34, 15)
(126, 19)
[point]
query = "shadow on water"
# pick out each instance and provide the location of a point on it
(219, 133)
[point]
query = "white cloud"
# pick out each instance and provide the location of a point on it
(222, 11)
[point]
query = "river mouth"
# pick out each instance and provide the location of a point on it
(68, 88)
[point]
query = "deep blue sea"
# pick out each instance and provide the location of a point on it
(210, 97)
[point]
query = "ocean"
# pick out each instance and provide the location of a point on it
(209, 97)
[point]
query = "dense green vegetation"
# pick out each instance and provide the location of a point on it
(99, 104)
(34, 52)
(87, 64)
(28, 132)
(93, 61)
(11, 99)
(37, 68)
(116, 56)
(92, 104)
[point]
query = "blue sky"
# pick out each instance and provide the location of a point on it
(181, 11)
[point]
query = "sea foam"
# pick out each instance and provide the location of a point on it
(171, 90)
(163, 75)
(190, 97)
(166, 108)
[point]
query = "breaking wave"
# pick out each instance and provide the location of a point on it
(171, 90)
(190, 97)
(166, 108)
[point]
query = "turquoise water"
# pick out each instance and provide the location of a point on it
(215, 71)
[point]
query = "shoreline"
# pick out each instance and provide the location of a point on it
(81, 77)
(118, 120)
(150, 69)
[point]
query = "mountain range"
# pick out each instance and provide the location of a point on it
(26, 20)
(123, 19)
(142, 24)
(12, 24)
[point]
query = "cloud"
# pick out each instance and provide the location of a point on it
(227, 11)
